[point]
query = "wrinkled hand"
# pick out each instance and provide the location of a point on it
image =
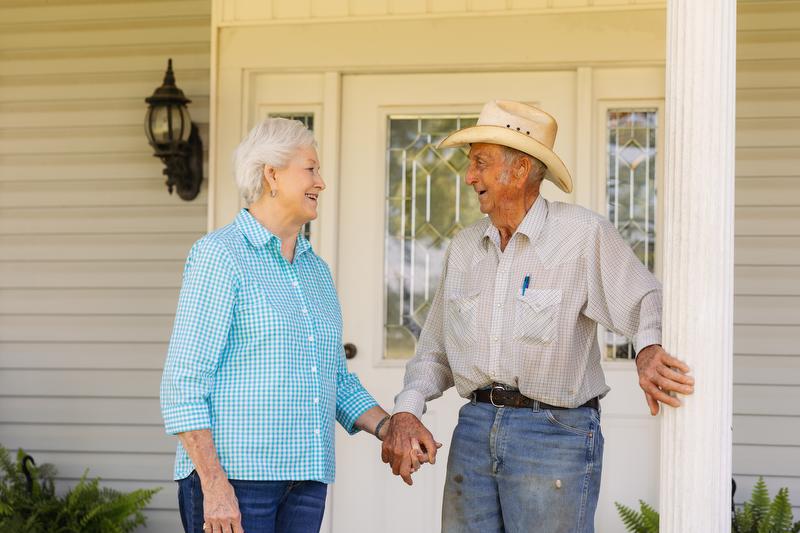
(661, 374)
(221, 508)
(407, 444)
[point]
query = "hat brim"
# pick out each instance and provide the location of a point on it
(556, 170)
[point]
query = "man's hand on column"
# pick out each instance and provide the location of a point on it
(406, 439)
(660, 374)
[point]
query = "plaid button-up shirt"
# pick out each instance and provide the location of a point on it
(256, 356)
(483, 328)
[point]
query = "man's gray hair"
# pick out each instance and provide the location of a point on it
(271, 143)
(510, 155)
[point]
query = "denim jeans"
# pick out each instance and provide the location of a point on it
(265, 506)
(521, 470)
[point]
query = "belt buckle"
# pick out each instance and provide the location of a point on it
(491, 394)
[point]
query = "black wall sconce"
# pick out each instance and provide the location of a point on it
(174, 137)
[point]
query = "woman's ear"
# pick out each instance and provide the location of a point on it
(269, 177)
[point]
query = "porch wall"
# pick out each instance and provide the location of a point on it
(766, 402)
(91, 244)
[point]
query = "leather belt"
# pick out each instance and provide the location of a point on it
(499, 396)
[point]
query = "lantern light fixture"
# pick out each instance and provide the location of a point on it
(174, 137)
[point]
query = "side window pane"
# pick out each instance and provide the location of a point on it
(631, 193)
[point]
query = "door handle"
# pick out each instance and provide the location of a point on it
(350, 350)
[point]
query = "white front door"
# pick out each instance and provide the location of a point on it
(400, 202)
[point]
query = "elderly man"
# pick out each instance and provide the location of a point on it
(513, 326)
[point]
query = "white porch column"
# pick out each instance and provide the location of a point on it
(695, 495)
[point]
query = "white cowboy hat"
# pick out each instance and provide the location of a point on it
(520, 126)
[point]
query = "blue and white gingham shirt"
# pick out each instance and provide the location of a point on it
(256, 356)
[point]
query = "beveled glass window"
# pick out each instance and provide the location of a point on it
(631, 193)
(305, 118)
(427, 203)
(308, 120)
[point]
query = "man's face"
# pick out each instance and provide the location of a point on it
(489, 175)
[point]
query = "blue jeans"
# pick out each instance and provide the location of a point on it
(521, 470)
(265, 506)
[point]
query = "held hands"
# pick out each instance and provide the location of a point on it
(407, 444)
(661, 374)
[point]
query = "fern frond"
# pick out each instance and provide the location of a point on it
(633, 521)
(779, 516)
(759, 501)
(649, 517)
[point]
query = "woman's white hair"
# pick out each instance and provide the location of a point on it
(271, 143)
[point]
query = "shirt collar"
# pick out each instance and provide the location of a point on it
(531, 224)
(260, 237)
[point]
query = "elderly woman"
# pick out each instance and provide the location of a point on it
(255, 375)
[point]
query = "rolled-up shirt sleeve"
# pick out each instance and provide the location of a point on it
(428, 373)
(352, 399)
(199, 335)
(623, 295)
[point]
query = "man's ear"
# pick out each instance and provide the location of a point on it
(522, 170)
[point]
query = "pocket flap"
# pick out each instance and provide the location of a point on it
(470, 288)
(539, 299)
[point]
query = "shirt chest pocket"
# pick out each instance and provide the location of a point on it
(536, 316)
(462, 314)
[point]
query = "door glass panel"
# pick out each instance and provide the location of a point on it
(631, 193)
(427, 203)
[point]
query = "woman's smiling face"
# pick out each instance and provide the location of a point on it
(300, 184)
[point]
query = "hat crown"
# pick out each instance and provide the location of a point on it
(522, 118)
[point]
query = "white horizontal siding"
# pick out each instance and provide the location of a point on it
(83, 355)
(766, 424)
(83, 273)
(91, 244)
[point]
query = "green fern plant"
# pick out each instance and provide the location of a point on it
(643, 521)
(759, 515)
(29, 503)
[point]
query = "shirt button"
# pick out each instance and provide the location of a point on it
(496, 338)
(313, 369)
(295, 284)
(316, 400)
(305, 311)
(316, 432)
(311, 338)
(499, 306)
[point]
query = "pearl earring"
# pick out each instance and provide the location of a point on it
(273, 193)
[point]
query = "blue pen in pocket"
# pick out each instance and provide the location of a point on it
(525, 283)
